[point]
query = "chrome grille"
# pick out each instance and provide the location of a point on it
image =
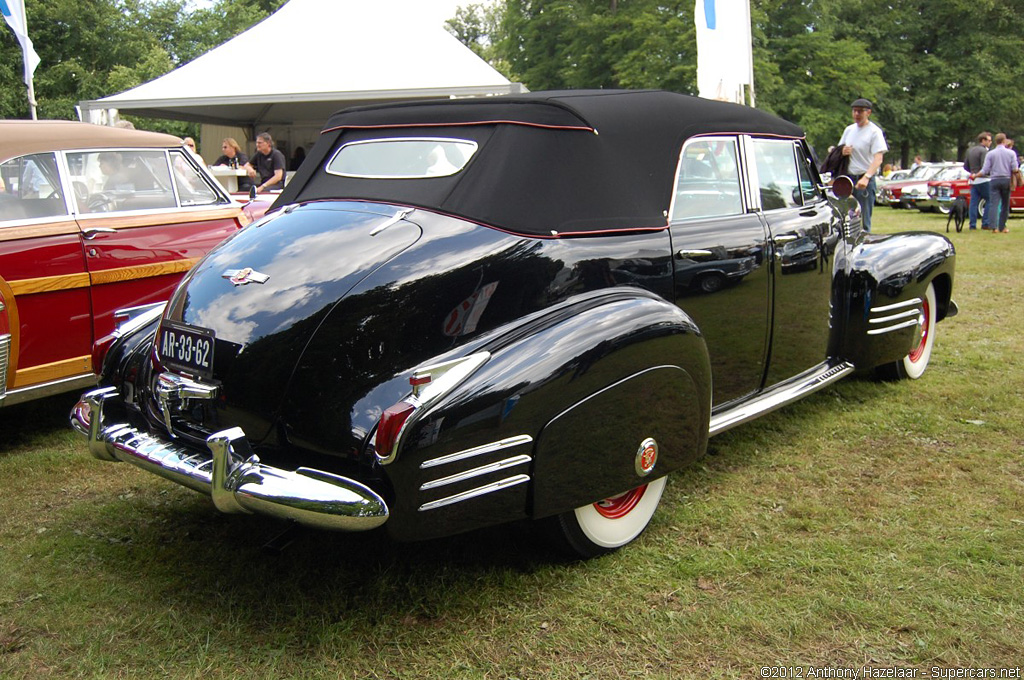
(5, 354)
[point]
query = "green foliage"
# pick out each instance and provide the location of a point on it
(474, 26)
(95, 48)
(950, 66)
(939, 72)
(558, 44)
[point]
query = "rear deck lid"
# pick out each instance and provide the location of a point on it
(243, 316)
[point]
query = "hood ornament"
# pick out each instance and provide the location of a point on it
(240, 277)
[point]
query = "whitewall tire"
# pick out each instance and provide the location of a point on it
(912, 366)
(607, 525)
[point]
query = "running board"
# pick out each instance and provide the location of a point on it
(785, 393)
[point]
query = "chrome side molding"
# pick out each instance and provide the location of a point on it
(775, 398)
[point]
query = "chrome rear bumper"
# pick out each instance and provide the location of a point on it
(231, 474)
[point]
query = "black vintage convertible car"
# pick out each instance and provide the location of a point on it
(468, 312)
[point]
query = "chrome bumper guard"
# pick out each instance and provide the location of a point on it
(231, 474)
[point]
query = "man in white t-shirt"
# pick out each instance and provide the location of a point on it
(864, 143)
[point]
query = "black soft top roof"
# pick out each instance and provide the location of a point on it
(548, 162)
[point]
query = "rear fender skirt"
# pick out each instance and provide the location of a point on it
(555, 418)
(887, 281)
(594, 449)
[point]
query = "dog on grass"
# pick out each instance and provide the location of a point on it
(957, 213)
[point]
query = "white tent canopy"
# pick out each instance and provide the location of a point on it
(309, 59)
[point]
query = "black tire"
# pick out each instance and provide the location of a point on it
(711, 283)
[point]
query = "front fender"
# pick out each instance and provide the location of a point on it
(555, 418)
(887, 275)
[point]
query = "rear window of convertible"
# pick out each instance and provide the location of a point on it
(402, 158)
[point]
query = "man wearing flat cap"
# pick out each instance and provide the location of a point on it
(864, 143)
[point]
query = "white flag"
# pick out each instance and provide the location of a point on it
(723, 49)
(14, 13)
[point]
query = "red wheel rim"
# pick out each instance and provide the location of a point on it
(916, 353)
(621, 505)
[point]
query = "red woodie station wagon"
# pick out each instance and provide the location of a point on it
(96, 224)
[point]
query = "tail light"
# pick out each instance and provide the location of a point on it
(429, 384)
(390, 426)
(99, 351)
(127, 322)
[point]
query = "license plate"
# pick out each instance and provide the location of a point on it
(186, 349)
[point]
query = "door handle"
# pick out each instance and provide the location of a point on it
(92, 232)
(694, 253)
(787, 238)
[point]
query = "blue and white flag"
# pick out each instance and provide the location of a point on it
(724, 57)
(14, 13)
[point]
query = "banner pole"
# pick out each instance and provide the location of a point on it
(30, 80)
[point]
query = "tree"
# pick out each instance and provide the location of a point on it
(80, 59)
(807, 73)
(475, 26)
(951, 68)
(555, 44)
(938, 72)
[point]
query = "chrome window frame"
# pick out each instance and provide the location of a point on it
(225, 199)
(741, 173)
(64, 187)
(208, 179)
(755, 183)
(378, 140)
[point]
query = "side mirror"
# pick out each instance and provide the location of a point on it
(252, 193)
(842, 187)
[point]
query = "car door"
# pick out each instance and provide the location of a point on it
(45, 327)
(721, 270)
(804, 232)
(146, 217)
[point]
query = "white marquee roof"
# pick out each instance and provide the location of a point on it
(311, 58)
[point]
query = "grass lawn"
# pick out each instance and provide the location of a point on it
(873, 524)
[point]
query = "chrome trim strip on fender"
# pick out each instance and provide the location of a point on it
(896, 305)
(897, 317)
(394, 219)
(890, 329)
(229, 472)
(477, 472)
(475, 493)
(902, 318)
(776, 397)
(130, 318)
(48, 389)
(431, 384)
(477, 451)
